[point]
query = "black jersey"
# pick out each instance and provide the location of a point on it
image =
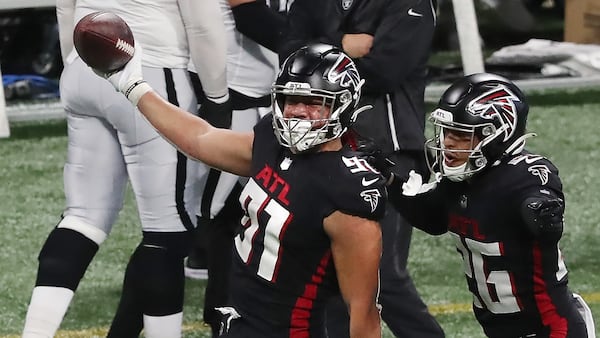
(518, 281)
(283, 271)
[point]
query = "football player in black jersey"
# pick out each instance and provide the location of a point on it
(312, 204)
(502, 205)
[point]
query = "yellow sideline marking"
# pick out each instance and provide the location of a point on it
(437, 309)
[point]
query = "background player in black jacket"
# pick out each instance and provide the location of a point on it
(504, 208)
(310, 229)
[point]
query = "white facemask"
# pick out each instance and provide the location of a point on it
(300, 136)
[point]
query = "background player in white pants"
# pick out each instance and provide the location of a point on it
(109, 143)
(251, 70)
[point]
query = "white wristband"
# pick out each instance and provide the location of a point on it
(135, 92)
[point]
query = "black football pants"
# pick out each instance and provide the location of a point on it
(218, 234)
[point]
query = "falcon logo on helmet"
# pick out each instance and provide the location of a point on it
(498, 103)
(344, 72)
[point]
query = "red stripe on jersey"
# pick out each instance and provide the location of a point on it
(299, 324)
(513, 283)
(550, 317)
(280, 252)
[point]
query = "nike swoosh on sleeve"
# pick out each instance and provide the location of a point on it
(412, 12)
(367, 183)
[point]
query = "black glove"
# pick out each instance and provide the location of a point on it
(217, 114)
(382, 163)
(377, 158)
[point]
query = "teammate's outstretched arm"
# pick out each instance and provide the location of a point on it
(220, 148)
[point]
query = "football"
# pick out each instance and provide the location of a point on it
(104, 41)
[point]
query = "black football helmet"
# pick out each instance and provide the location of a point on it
(317, 70)
(485, 105)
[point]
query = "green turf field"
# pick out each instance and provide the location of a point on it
(31, 195)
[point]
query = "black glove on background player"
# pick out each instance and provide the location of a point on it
(217, 114)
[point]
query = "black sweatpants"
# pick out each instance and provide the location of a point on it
(218, 235)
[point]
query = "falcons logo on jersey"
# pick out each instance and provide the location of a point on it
(540, 171)
(344, 72)
(371, 196)
(497, 103)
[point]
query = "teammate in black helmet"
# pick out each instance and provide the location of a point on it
(502, 205)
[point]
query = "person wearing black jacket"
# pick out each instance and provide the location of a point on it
(390, 41)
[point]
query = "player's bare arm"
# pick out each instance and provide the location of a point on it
(220, 148)
(356, 249)
(357, 45)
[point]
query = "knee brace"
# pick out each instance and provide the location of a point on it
(64, 258)
(157, 266)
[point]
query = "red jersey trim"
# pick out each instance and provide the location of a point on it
(558, 325)
(299, 323)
